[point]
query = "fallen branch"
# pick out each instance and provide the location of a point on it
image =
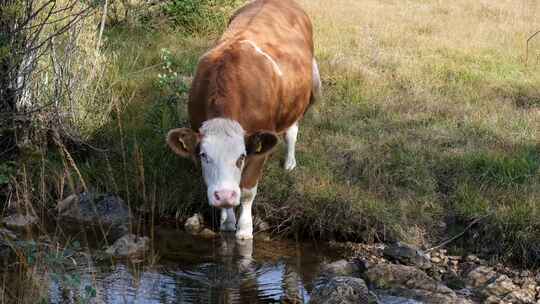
(457, 236)
(527, 46)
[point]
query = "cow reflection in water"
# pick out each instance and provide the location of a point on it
(237, 278)
(192, 270)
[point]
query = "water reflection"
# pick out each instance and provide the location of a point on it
(194, 270)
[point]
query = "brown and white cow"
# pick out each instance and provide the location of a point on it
(256, 83)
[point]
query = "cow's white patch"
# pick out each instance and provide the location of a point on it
(222, 150)
(245, 222)
(258, 50)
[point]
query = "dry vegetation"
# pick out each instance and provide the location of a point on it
(431, 114)
(429, 120)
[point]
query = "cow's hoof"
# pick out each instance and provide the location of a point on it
(290, 164)
(227, 227)
(244, 235)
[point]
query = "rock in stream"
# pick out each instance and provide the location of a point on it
(341, 290)
(340, 268)
(410, 282)
(94, 209)
(407, 255)
(130, 246)
(194, 224)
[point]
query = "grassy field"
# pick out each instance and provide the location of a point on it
(429, 120)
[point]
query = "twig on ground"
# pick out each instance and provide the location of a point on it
(527, 46)
(457, 236)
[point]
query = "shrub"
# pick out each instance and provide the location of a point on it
(200, 15)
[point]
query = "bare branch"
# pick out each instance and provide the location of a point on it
(457, 236)
(32, 16)
(527, 46)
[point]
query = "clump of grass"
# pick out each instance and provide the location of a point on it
(199, 15)
(504, 171)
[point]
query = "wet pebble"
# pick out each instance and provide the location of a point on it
(129, 246)
(207, 234)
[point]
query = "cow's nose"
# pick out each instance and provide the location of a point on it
(225, 197)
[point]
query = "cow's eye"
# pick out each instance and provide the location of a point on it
(203, 157)
(240, 161)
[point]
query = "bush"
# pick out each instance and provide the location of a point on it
(200, 15)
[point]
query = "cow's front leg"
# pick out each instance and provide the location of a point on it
(245, 222)
(290, 139)
(228, 220)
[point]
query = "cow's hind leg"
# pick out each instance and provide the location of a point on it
(228, 220)
(290, 139)
(245, 222)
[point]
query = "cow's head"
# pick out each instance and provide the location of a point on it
(222, 147)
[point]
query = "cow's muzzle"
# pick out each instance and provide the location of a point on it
(225, 199)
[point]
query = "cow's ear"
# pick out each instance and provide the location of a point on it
(183, 141)
(261, 142)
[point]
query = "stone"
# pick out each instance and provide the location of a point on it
(500, 287)
(472, 258)
(407, 255)
(340, 268)
(19, 222)
(525, 274)
(529, 284)
(466, 292)
(425, 296)
(207, 234)
(386, 276)
(129, 246)
(480, 276)
(387, 299)
(95, 209)
(492, 300)
(411, 283)
(341, 290)
(453, 280)
(520, 297)
(436, 260)
(7, 235)
(194, 224)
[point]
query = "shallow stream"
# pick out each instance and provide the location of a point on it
(188, 269)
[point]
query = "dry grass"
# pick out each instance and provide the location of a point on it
(434, 113)
(414, 58)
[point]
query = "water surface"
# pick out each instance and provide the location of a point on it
(188, 269)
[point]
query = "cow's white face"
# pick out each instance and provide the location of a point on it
(222, 154)
(222, 148)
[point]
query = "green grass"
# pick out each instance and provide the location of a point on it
(418, 126)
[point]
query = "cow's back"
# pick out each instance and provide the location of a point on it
(260, 71)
